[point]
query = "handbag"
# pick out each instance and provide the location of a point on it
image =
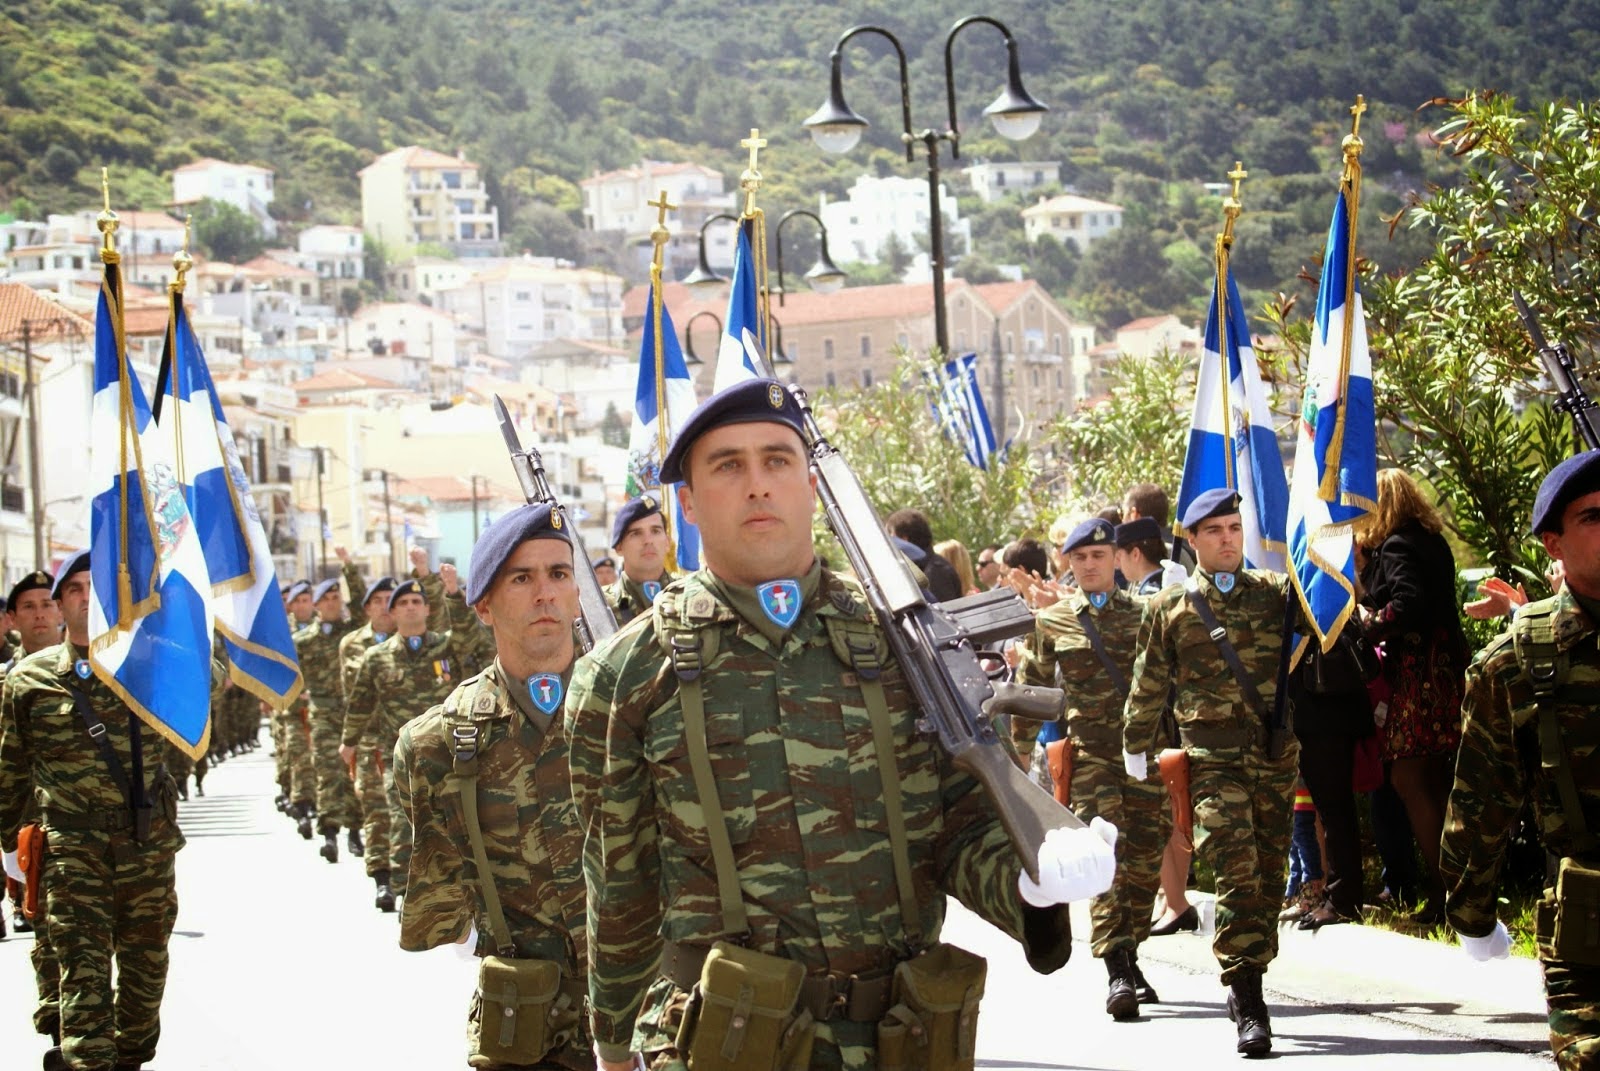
(1345, 669)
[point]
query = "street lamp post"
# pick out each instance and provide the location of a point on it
(824, 276)
(835, 127)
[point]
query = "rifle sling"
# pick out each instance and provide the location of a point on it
(465, 768)
(108, 754)
(1118, 681)
(1219, 636)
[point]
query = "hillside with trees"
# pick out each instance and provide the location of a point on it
(1150, 99)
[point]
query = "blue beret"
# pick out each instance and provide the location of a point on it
(598, 562)
(753, 401)
(1218, 502)
(1137, 531)
(298, 588)
(76, 562)
(323, 588)
(636, 510)
(1093, 532)
(910, 550)
(377, 587)
(504, 536)
(38, 580)
(1575, 477)
(407, 587)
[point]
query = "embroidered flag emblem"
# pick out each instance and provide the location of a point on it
(1098, 599)
(1224, 582)
(545, 691)
(780, 601)
(81, 668)
(327, 628)
(414, 642)
(652, 588)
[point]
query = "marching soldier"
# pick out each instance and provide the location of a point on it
(369, 764)
(1530, 733)
(483, 778)
(397, 680)
(764, 825)
(1085, 644)
(291, 729)
(66, 741)
(639, 537)
(605, 571)
(1218, 640)
(317, 647)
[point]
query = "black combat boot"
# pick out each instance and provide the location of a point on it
(56, 1060)
(1146, 991)
(183, 788)
(302, 819)
(281, 802)
(385, 899)
(1122, 1002)
(1248, 1010)
(357, 847)
(330, 845)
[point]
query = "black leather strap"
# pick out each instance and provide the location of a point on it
(1219, 636)
(1118, 681)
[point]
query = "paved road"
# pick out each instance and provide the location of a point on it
(280, 961)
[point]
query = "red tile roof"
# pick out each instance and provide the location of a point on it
(335, 379)
(47, 321)
(452, 489)
(805, 306)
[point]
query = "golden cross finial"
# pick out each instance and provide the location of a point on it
(107, 220)
(755, 143)
(1352, 144)
(659, 233)
(182, 262)
(1231, 206)
(1356, 111)
(1238, 175)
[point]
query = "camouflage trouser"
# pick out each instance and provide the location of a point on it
(46, 971)
(180, 765)
(99, 909)
(336, 800)
(277, 725)
(1573, 993)
(1139, 810)
(397, 855)
(1243, 817)
(374, 808)
(294, 754)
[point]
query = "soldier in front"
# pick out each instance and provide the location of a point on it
(483, 777)
(639, 535)
(768, 838)
(1218, 639)
(1530, 733)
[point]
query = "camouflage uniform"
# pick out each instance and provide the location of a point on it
(530, 837)
(46, 971)
(1498, 768)
(370, 762)
(109, 896)
(1242, 799)
(790, 742)
(627, 597)
(292, 737)
(317, 647)
(1100, 787)
(393, 684)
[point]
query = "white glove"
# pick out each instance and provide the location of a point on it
(1172, 573)
(638, 1060)
(1074, 864)
(1496, 945)
(1137, 766)
(13, 870)
(467, 947)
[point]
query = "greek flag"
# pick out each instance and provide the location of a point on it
(959, 408)
(1336, 461)
(739, 357)
(663, 400)
(150, 608)
(244, 584)
(1231, 439)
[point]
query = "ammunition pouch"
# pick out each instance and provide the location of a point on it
(932, 1024)
(30, 858)
(521, 1011)
(1567, 920)
(1058, 754)
(745, 1014)
(1174, 765)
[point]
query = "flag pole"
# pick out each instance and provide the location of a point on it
(1350, 190)
(750, 182)
(107, 224)
(181, 263)
(659, 236)
(1231, 207)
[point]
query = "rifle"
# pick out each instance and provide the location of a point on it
(1563, 372)
(936, 646)
(596, 623)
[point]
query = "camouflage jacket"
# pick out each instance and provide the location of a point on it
(790, 742)
(1174, 648)
(1059, 644)
(451, 612)
(316, 645)
(46, 751)
(396, 682)
(627, 596)
(1498, 766)
(352, 649)
(530, 831)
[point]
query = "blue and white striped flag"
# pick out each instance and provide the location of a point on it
(662, 401)
(150, 605)
(1231, 439)
(244, 584)
(961, 408)
(740, 355)
(1336, 461)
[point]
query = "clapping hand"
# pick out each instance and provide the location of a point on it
(1499, 599)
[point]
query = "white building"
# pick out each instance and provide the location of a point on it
(518, 306)
(1150, 335)
(993, 180)
(618, 201)
(407, 330)
(858, 228)
(414, 195)
(1070, 218)
(244, 186)
(334, 253)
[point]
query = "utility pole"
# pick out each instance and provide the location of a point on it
(388, 514)
(35, 481)
(322, 510)
(474, 509)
